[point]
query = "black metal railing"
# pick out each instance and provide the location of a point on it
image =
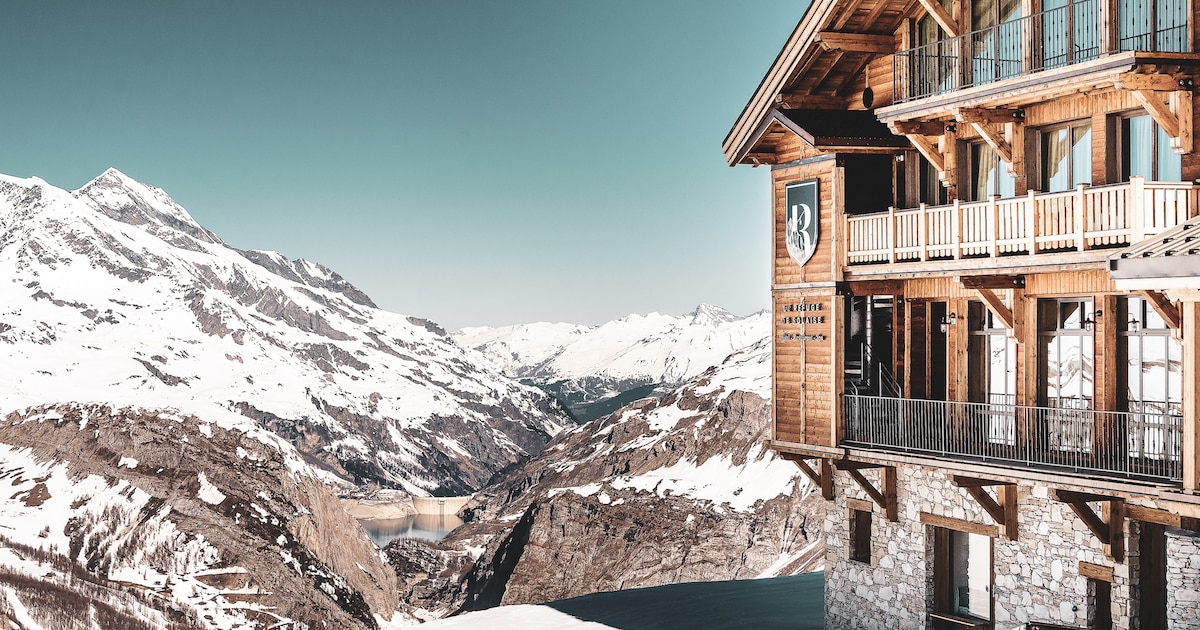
(1135, 445)
(1054, 38)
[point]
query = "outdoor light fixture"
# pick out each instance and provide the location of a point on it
(947, 322)
(1089, 323)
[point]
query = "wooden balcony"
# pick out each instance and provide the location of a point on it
(1144, 446)
(1088, 217)
(1079, 32)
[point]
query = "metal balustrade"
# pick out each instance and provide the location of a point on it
(1141, 445)
(1084, 218)
(1066, 35)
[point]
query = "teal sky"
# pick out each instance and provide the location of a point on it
(477, 163)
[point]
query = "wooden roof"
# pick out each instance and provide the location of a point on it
(828, 49)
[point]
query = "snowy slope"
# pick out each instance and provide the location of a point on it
(634, 351)
(114, 294)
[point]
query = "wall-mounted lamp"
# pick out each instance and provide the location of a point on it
(947, 322)
(1089, 323)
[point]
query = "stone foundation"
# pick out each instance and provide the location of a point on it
(1036, 577)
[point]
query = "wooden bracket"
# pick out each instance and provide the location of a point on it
(997, 307)
(1174, 116)
(1004, 511)
(886, 499)
(857, 42)
(1166, 309)
(1108, 527)
(942, 17)
(998, 127)
(985, 286)
(823, 479)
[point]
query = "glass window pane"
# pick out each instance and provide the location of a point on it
(1139, 145)
(1057, 160)
(972, 574)
(1081, 155)
(1170, 166)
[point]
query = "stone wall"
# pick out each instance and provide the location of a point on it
(1183, 580)
(1036, 576)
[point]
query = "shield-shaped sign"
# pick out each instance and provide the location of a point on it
(802, 225)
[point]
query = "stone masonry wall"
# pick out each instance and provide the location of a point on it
(1183, 580)
(1036, 577)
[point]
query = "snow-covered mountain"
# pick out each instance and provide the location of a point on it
(667, 490)
(113, 294)
(621, 360)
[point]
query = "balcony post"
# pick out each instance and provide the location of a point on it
(923, 231)
(1080, 218)
(1031, 221)
(1107, 13)
(994, 224)
(1191, 389)
(1137, 205)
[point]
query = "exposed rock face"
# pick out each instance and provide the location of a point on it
(113, 293)
(666, 490)
(189, 509)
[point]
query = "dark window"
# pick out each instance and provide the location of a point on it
(963, 574)
(1099, 605)
(1146, 151)
(860, 536)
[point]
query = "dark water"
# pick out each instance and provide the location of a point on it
(796, 602)
(425, 526)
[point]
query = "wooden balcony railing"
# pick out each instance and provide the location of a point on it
(1074, 33)
(1081, 219)
(1143, 445)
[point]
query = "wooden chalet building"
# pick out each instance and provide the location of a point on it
(986, 290)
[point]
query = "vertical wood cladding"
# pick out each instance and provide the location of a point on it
(819, 268)
(807, 366)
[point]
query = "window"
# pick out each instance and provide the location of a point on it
(1153, 378)
(963, 574)
(860, 536)
(1067, 379)
(1156, 25)
(1099, 598)
(993, 373)
(1066, 157)
(996, 41)
(989, 174)
(1146, 151)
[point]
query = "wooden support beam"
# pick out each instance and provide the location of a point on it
(822, 480)
(1162, 517)
(886, 499)
(848, 464)
(1150, 82)
(1161, 113)
(809, 101)
(992, 282)
(857, 42)
(824, 76)
(875, 287)
(960, 525)
(1165, 308)
(930, 151)
(990, 116)
(947, 146)
(1181, 106)
(997, 307)
(1108, 527)
(909, 127)
(1004, 511)
(1095, 571)
(942, 17)
(995, 139)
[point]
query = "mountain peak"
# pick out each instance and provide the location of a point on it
(709, 314)
(121, 197)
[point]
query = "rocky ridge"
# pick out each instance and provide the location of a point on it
(217, 526)
(667, 490)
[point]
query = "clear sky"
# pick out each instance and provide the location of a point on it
(474, 162)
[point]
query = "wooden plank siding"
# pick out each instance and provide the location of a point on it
(821, 267)
(808, 370)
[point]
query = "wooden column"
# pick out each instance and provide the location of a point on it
(1106, 382)
(1191, 389)
(957, 340)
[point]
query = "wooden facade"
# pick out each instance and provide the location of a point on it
(959, 310)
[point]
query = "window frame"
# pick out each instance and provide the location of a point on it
(1044, 135)
(1124, 146)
